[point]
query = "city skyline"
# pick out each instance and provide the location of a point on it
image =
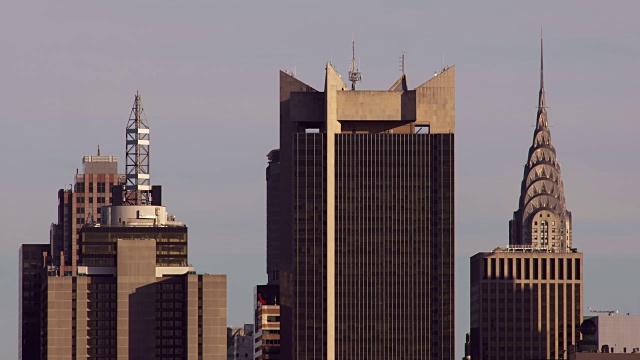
(69, 91)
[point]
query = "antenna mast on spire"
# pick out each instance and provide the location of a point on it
(541, 62)
(354, 72)
(138, 186)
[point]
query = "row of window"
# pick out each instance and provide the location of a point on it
(544, 229)
(94, 287)
(169, 314)
(534, 269)
(101, 187)
(101, 323)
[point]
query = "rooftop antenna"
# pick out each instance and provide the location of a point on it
(541, 62)
(98, 149)
(402, 63)
(291, 71)
(354, 72)
(138, 184)
(608, 312)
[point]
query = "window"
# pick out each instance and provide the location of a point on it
(80, 200)
(493, 268)
(79, 187)
(535, 223)
(486, 268)
(91, 188)
(80, 210)
(90, 199)
(101, 187)
(553, 223)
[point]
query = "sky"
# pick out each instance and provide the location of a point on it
(208, 75)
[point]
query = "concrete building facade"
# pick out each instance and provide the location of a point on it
(526, 300)
(134, 296)
(367, 207)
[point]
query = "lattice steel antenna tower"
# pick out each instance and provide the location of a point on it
(354, 72)
(138, 186)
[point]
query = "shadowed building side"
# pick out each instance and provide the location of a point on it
(273, 217)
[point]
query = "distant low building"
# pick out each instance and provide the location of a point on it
(267, 322)
(611, 334)
(243, 344)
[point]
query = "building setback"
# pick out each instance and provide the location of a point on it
(367, 208)
(526, 300)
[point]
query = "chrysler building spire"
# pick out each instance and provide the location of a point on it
(542, 220)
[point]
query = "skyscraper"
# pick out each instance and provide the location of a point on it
(82, 204)
(526, 300)
(130, 293)
(367, 219)
(542, 219)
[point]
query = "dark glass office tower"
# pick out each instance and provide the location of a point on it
(367, 207)
(32, 269)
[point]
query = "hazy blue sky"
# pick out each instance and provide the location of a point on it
(208, 73)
